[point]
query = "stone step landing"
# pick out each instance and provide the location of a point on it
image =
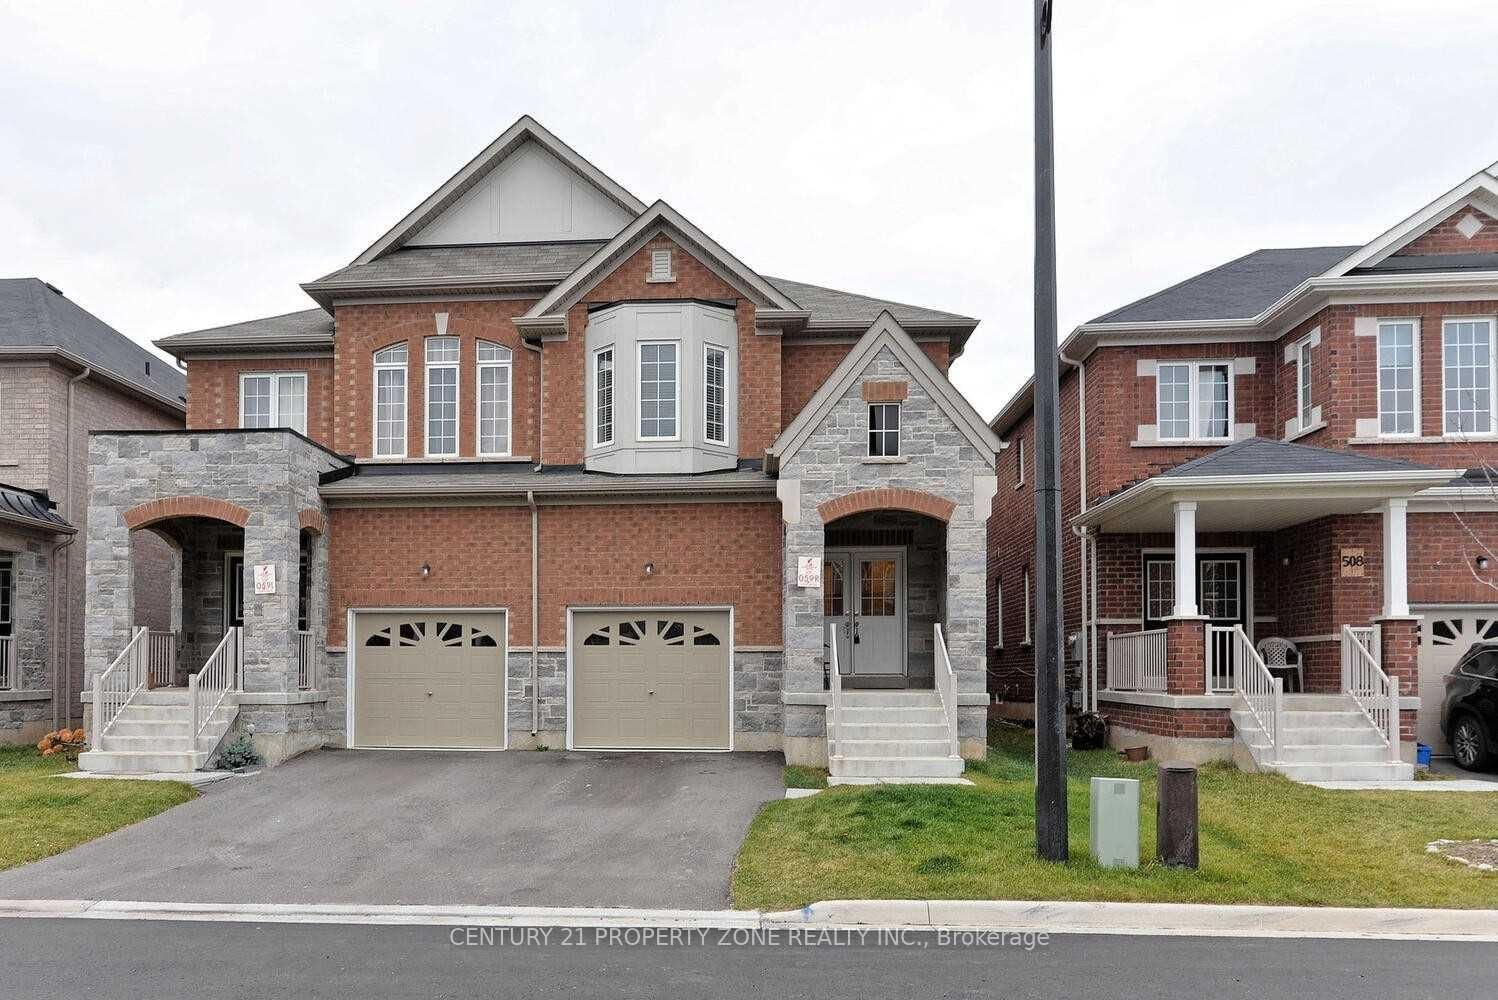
(892, 737)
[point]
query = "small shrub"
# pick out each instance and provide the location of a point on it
(240, 753)
(1090, 732)
(542, 746)
(66, 743)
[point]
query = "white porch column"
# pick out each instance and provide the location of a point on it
(1185, 541)
(1396, 577)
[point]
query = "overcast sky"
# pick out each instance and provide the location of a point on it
(175, 166)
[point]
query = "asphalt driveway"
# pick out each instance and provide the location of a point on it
(513, 828)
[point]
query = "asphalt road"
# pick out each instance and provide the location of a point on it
(130, 959)
(504, 829)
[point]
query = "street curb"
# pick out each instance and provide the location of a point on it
(1160, 919)
(1169, 919)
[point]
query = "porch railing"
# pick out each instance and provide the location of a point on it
(116, 685)
(835, 694)
(162, 658)
(220, 676)
(1375, 692)
(7, 662)
(946, 686)
(1261, 690)
(1136, 661)
(306, 662)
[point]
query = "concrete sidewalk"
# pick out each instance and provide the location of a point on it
(1018, 917)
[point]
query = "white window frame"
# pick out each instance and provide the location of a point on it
(708, 349)
(1029, 638)
(613, 437)
(1378, 368)
(276, 377)
(1492, 430)
(405, 398)
(480, 366)
(899, 430)
(640, 394)
(8, 610)
(426, 414)
(1019, 456)
(998, 615)
(1193, 400)
(1304, 405)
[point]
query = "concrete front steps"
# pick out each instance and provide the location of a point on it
(1326, 738)
(893, 737)
(152, 734)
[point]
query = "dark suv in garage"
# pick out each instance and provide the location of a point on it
(1469, 717)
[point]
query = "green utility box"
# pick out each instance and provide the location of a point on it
(1114, 822)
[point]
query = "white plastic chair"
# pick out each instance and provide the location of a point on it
(1282, 654)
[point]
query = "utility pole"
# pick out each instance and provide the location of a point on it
(1050, 712)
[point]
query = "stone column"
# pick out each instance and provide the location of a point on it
(271, 538)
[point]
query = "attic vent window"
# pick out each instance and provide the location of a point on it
(660, 266)
(1470, 225)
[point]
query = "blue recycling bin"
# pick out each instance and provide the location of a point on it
(1422, 755)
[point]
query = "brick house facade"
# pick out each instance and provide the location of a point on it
(543, 418)
(1358, 388)
(63, 374)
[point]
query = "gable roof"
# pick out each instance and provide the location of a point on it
(36, 316)
(1239, 289)
(526, 129)
(830, 307)
(1266, 457)
(308, 328)
(886, 332)
(659, 217)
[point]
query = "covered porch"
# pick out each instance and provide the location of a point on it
(1264, 572)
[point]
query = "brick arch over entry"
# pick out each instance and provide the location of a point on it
(916, 501)
(166, 508)
(311, 519)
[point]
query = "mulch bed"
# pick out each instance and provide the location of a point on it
(1479, 854)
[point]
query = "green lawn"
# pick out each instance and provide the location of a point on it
(42, 815)
(1264, 839)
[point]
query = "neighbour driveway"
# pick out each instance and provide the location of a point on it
(514, 828)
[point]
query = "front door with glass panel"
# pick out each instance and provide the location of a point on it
(863, 595)
(1221, 597)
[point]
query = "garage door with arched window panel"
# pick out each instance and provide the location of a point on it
(429, 679)
(1445, 636)
(656, 679)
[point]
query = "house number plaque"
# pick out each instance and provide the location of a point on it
(1353, 561)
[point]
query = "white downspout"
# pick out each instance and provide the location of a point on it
(530, 500)
(67, 580)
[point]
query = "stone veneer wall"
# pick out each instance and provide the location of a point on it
(833, 463)
(274, 476)
(26, 709)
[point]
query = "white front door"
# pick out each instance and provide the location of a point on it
(870, 614)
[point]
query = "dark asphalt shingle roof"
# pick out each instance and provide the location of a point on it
(16, 502)
(34, 314)
(1266, 457)
(1239, 289)
(517, 477)
(314, 326)
(498, 260)
(1431, 262)
(829, 306)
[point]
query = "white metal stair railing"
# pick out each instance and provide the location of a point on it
(835, 693)
(221, 675)
(306, 665)
(115, 686)
(1136, 661)
(946, 687)
(1374, 691)
(163, 658)
(1263, 692)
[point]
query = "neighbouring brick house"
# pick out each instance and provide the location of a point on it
(63, 373)
(549, 466)
(1290, 446)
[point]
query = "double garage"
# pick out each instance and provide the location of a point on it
(637, 679)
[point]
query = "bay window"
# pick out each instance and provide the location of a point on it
(390, 402)
(273, 399)
(1467, 376)
(494, 393)
(659, 391)
(442, 395)
(714, 394)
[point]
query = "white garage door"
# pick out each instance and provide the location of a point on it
(650, 679)
(429, 679)
(1444, 636)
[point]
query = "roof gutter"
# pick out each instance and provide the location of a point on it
(348, 489)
